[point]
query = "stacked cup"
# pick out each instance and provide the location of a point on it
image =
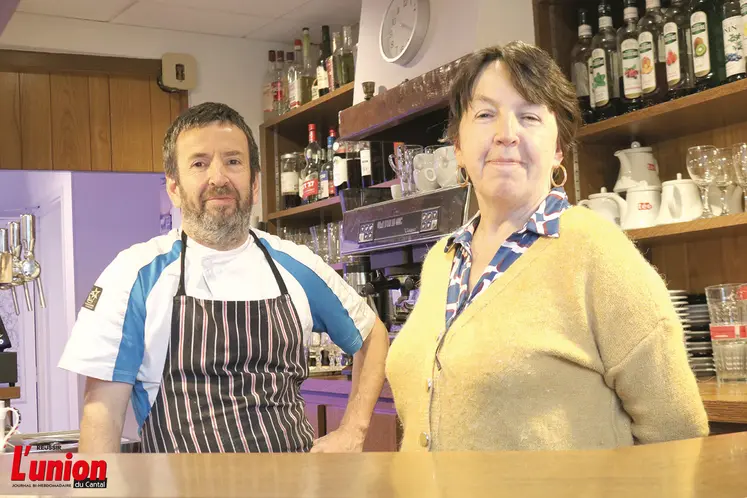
(727, 308)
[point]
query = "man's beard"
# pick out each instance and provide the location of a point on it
(222, 226)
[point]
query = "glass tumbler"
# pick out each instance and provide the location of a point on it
(727, 308)
(333, 242)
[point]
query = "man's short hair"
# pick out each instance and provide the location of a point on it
(197, 117)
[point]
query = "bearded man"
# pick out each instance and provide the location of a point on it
(204, 329)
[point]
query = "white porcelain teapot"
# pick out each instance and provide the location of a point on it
(643, 207)
(680, 201)
(608, 205)
(638, 167)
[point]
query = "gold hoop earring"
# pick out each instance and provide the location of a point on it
(565, 177)
(461, 170)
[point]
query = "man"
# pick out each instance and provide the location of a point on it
(204, 328)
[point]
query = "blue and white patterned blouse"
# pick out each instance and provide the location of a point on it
(544, 222)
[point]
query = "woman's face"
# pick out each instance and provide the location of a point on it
(509, 146)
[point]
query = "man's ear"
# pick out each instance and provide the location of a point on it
(255, 188)
(173, 191)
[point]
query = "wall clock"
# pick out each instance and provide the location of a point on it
(403, 30)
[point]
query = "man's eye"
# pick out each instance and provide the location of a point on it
(234, 161)
(198, 164)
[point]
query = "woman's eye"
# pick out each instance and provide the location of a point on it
(483, 115)
(532, 117)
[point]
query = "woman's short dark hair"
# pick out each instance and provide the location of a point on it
(533, 73)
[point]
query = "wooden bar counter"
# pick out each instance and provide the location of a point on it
(708, 467)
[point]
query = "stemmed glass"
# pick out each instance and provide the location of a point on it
(740, 168)
(699, 161)
(722, 174)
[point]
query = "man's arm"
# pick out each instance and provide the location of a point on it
(368, 379)
(104, 413)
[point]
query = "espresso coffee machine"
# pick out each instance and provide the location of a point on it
(389, 241)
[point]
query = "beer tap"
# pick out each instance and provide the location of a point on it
(6, 268)
(14, 229)
(30, 267)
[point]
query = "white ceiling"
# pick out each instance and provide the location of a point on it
(269, 20)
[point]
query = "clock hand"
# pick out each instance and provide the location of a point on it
(403, 25)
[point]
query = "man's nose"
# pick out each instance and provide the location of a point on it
(217, 173)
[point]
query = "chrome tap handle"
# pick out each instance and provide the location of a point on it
(15, 301)
(29, 304)
(14, 238)
(4, 247)
(40, 290)
(28, 234)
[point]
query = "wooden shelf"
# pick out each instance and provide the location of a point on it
(10, 393)
(725, 402)
(323, 112)
(310, 214)
(714, 108)
(692, 230)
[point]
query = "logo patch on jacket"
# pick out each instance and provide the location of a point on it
(93, 298)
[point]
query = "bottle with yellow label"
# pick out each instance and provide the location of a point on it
(651, 49)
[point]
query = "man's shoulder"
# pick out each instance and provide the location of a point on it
(156, 253)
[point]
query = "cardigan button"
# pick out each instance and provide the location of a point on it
(429, 385)
(425, 440)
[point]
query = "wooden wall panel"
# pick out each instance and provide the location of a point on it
(160, 117)
(10, 122)
(36, 121)
(132, 136)
(71, 135)
(101, 132)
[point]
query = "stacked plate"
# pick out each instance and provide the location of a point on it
(693, 311)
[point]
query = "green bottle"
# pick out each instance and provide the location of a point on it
(708, 44)
(733, 30)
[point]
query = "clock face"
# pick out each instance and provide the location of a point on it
(398, 27)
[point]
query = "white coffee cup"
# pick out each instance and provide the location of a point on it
(396, 190)
(424, 172)
(4, 438)
(446, 166)
(680, 201)
(643, 207)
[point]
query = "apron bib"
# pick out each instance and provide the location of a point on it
(232, 377)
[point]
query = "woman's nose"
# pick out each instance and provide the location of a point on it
(506, 128)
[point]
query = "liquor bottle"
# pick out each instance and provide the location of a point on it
(708, 44)
(294, 77)
(733, 29)
(334, 82)
(369, 177)
(651, 48)
(289, 63)
(603, 67)
(579, 70)
(327, 175)
(344, 61)
(281, 95)
(355, 178)
(308, 74)
(678, 50)
(289, 181)
(743, 8)
(630, 69)
(347, 173)
(321, 65)
(268, 87)
(312, 154)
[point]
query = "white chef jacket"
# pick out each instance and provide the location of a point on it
(122, 332)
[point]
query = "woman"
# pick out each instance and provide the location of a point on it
(539, 325)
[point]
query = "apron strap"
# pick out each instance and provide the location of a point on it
(180, 290)
(278, 278)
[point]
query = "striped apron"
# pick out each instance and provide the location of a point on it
(232, 377)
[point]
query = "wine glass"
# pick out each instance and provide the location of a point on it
(740, 168)
(722, 174)
(699, 160)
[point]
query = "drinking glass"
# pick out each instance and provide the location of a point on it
(699, 160)
(401, 163)
(721, 172)
(333, 242)
(740, 168)
(727, 309)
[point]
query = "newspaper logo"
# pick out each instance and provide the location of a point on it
(37, 472)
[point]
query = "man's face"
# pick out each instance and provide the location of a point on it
(214, 187)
